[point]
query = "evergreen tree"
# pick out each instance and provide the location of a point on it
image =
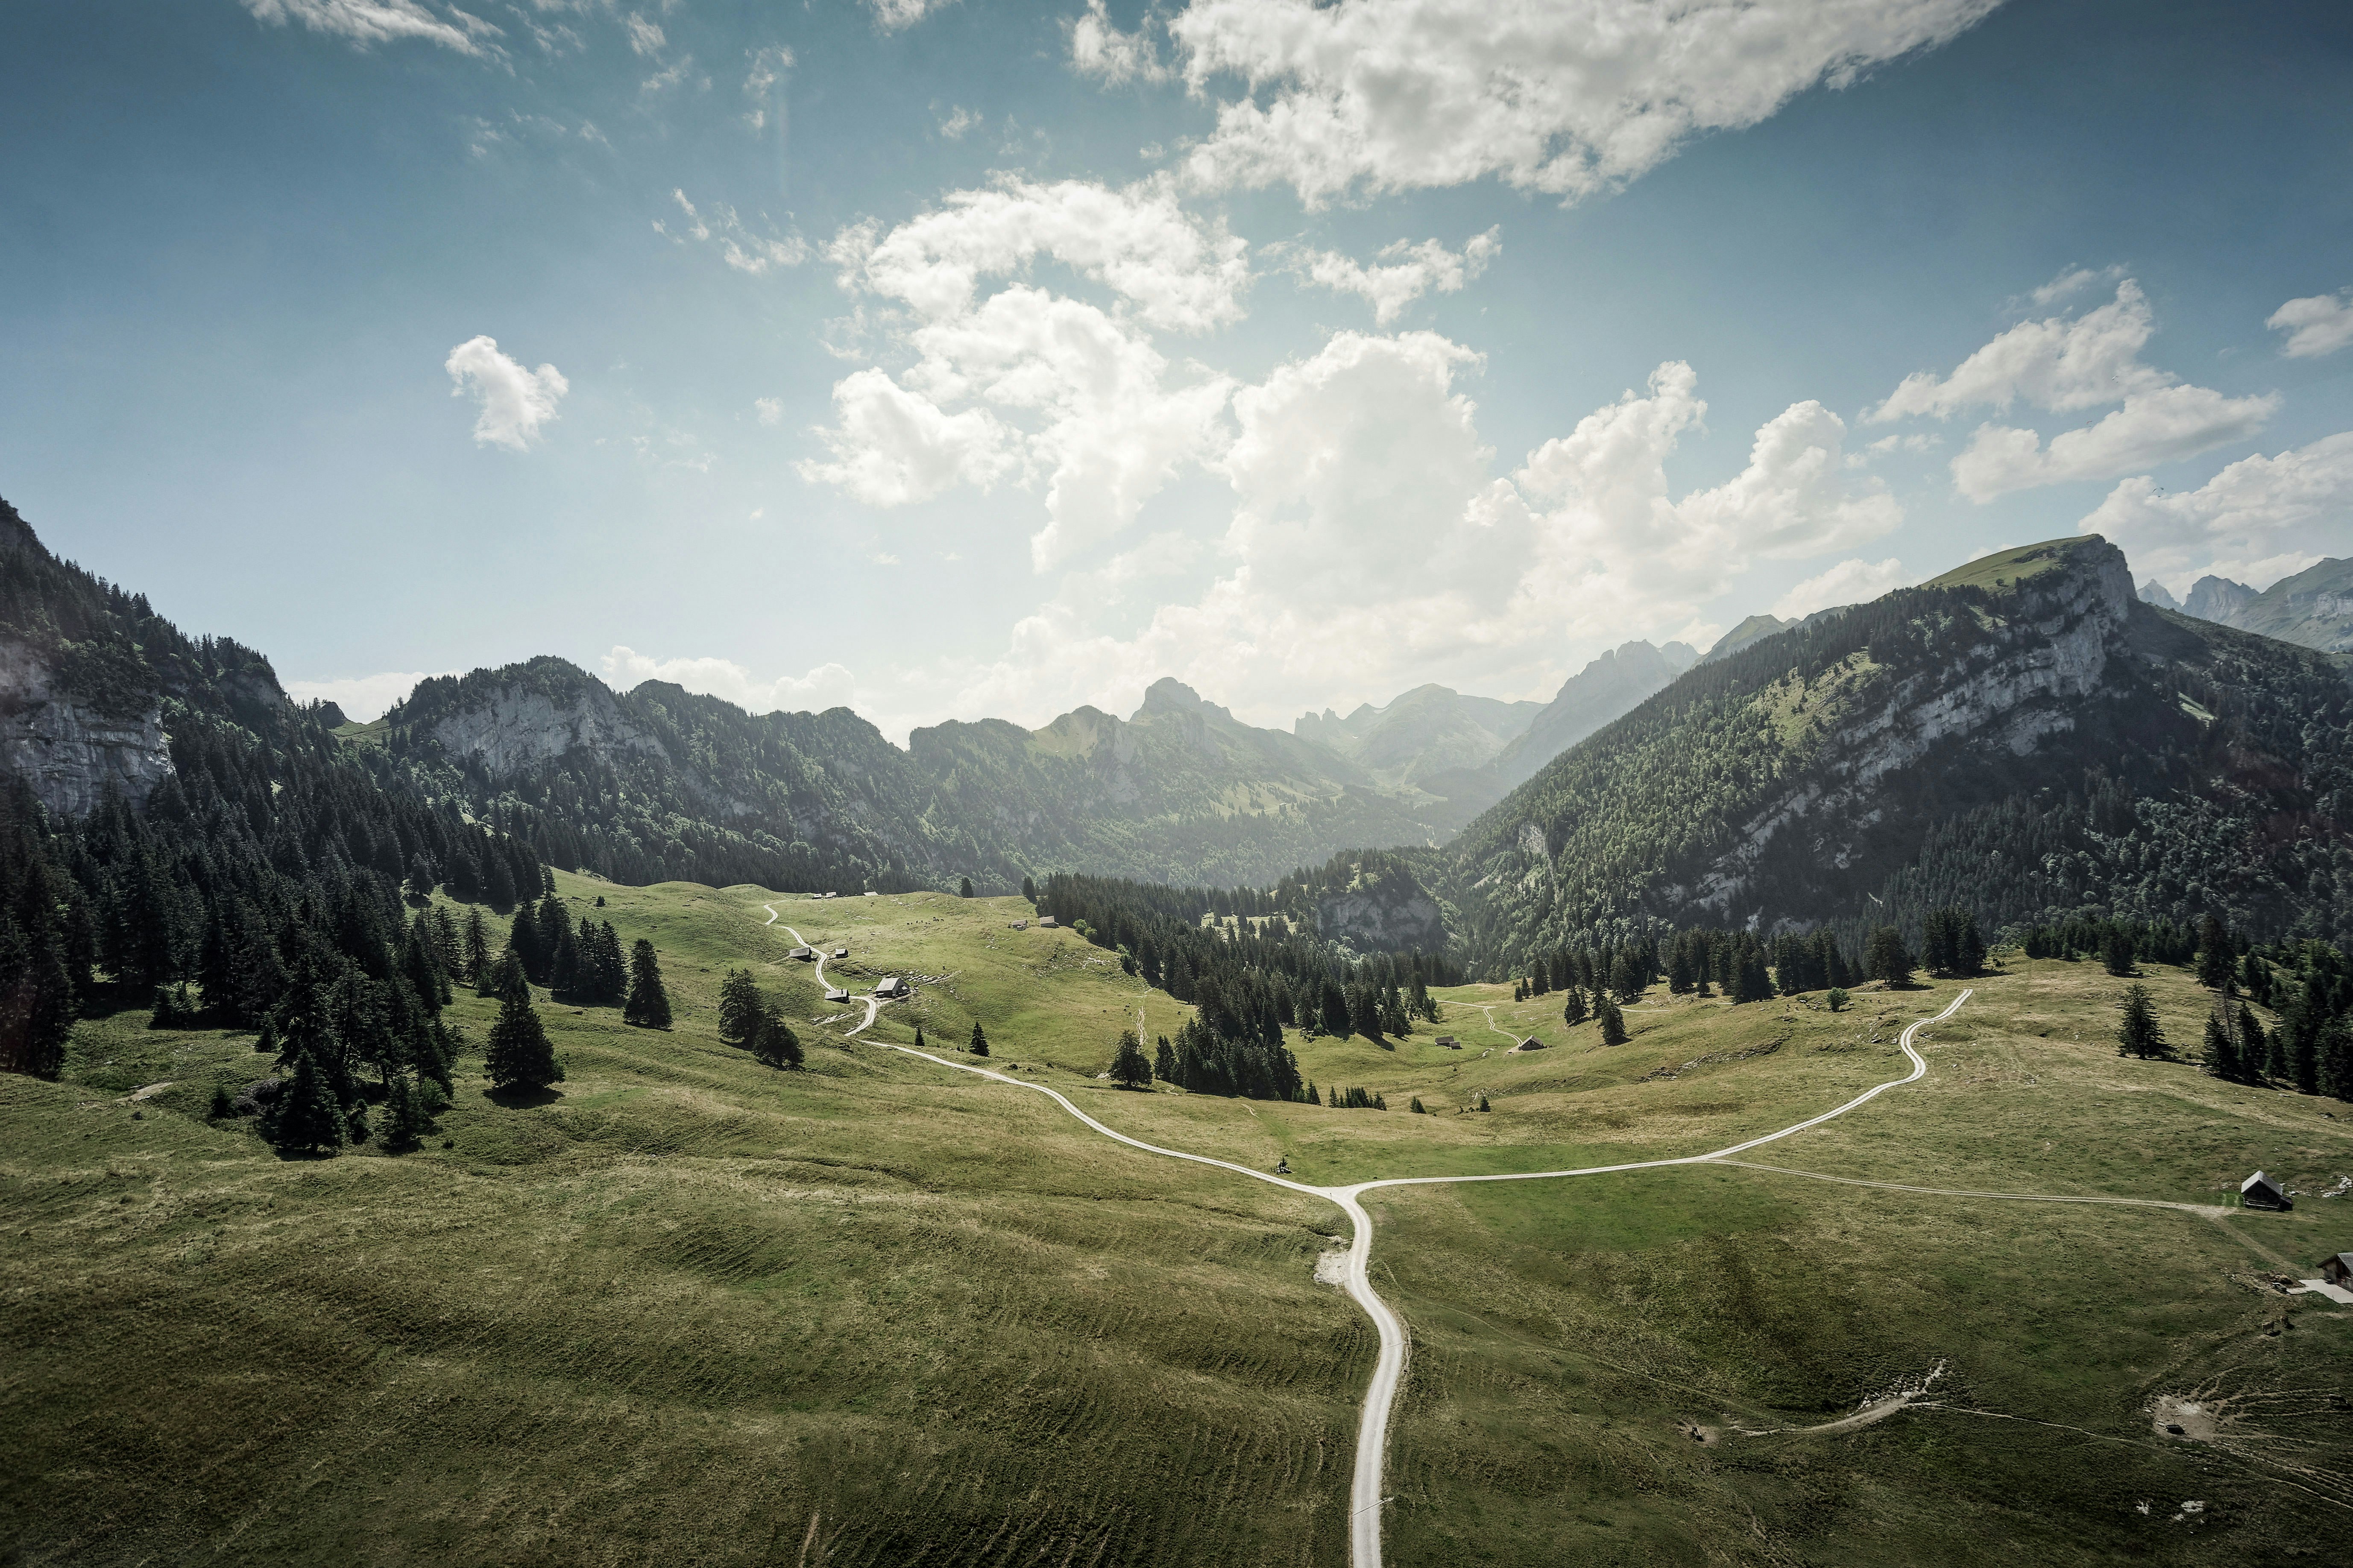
(1625, 980)
(2334, 1057)
(649, 1004)
(2220, 1053)
(963, 888)
(2255, 1048)
(563, 972)
(1836, 997)
(919, 1036)
(477, 949)
(1029, 888)
(1886, 959)
(2139, 1034)
(304, 1114)
(522, 941)
(518, 1054)
(979, 1043)
(2215, 958)
(1572, 1012)
(498, 883)
(772, 1040)
(739, 1007)
(406, 1118)
(2116, 952)
(1163, 1062)
(1129, 1066)
(1613, 1024)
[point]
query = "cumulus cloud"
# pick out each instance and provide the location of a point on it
(2319, 325)
(513, 402)
(363, 698)
(826, 686)
(2059, 364)
(2256, 515)
(1403, 272)
(365, 22)
(645, 37)
(891, 15)
(740, 245)
(1010, 376)
(1371, 543)
(957, 123)
(2153, 427)
(2072, 282)
(771, 410)
(1851, 582)
(1566, 99)
(1101, 50)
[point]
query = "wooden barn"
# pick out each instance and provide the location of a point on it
(891, 985)
(2260, 1192)
(2339, 1270)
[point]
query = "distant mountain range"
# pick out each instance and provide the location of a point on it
(2314, 608)
(2024, 735)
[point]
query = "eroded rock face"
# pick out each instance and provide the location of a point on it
(1386, 912)
(67, 752)
(517, 729)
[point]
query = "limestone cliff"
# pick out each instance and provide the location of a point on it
(66, 748)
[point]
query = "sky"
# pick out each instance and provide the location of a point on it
(953, 359)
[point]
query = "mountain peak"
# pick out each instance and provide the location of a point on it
(1170, 695)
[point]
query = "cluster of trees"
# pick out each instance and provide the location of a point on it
(582, 964)
(749, 1016)
(1355, 1099)
(1626, 969)
(1203, 1061)
(2308, 984)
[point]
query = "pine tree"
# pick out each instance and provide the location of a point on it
(564, 973)
(406, 1121)
(1029, 888)
(2255, 1048)
(2334, 1056)
(739, 1007)
(963, 888)
(919, 1036)
(1886, 959)
(305, 1115)
(477, 949)
(2222, 1055)
(1163, 1066)
(2116, 952)
(2139, 1034)
(1613, 1025)
(518, 1054)
(979, 1043)
(522, 941)
(1625, 980)
(1572, 1012)
(649, 1004)
(1129, 1069)
(772, 1040)
(2215, 958)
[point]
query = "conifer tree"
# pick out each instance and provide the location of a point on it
(2221, 1054)
(1164, 1064)
(649, 1004)
(739, 1007)
(2255, 1048)
(963, 887)
(2137, 1035)
(563, 971)
(1624, 978)
(304, 1115)
(979, 1043)
(1613, 1024)
(919, 1036)
(477, 949)
(2334, 1056)
(2116, 952)
(772, 1040)
(518, 1054)
(1129, 1068)
(1572, 1012)
(1886, 959)
(1029, 888)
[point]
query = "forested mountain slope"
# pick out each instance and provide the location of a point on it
(2022, 736)
(1420, 733)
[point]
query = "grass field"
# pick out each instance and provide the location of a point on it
(692, 1310)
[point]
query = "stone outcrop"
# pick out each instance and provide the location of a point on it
(518, 729)
(70, 754)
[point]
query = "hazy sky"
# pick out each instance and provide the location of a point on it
(967, 359)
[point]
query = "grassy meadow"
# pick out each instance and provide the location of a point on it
(687, 1310)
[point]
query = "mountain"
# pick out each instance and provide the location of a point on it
(1755, 630)
(2023, 735)
(1592, 697)
(2314, 608)
(2154, 593)
(1427, 731)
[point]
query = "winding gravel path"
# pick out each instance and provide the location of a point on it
(1365, 1501)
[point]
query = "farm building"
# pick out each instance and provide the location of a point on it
(836, 993)
(1020, 925)
(891, 985)
(2339, 1270)
(841, 953)
(803, 953)
(2260, 1192)
(1046, 921)
(1450, 1042)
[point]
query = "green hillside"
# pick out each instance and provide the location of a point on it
(685, 1305)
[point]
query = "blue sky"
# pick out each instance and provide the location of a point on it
(970, 359)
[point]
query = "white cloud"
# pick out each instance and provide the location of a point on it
(958, 122)
(1028, 380)
(893, 445)
(2073, 281)
(2319, 325)
(771, 409)
(826, 686)
(366, 22)
(1851, 581)
(2256, 513)
(739, 246)
(2057, 363)
(645, 37)
(2153, 427)
(363, 698)
(768, 67)
(1101, 50)
(514, 401)
(1566, 99)
(1370, 544)
(891, 15)
(1403, 272)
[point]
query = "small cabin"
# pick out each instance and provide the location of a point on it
(1046, 923)
(2260, 1192)
(1450, 1042)
(1532, 1044)
(2339, 1270)
(891, 985)
(1020, 925)
(803, 953)
(841, 953)
(836, 993)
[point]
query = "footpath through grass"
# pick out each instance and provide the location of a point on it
(690, 1310)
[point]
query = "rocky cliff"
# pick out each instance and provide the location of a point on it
(66, 749)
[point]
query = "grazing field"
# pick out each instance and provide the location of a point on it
(686, 1309)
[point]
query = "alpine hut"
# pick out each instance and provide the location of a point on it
(2260, 1192)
